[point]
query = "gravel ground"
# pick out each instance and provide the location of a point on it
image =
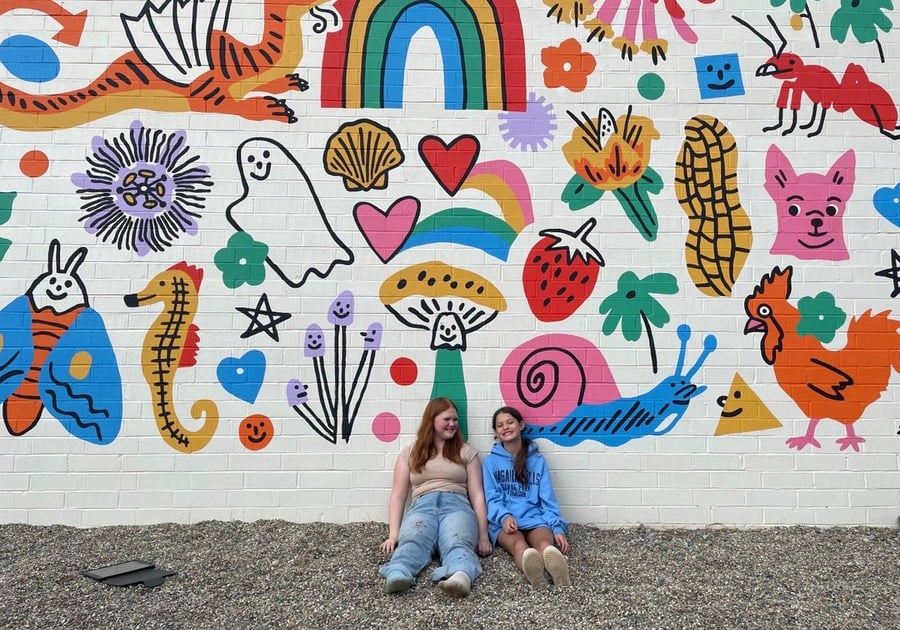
(276, 574)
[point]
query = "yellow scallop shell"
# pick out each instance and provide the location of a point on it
(362, 153)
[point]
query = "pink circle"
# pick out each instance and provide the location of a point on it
(386, 426)
(404, 371)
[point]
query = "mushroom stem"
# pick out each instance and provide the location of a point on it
(450, 382)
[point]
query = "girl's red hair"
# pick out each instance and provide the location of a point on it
(424, 449)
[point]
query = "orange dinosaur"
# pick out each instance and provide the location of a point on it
(199, 68)
(836, 384)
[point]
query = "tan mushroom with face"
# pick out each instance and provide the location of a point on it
(451, 303)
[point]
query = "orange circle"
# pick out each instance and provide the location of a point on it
(34, 163)
(256, 432)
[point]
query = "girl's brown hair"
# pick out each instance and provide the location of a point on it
(424, 449)
(520, 465)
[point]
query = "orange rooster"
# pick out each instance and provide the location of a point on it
(836, 384)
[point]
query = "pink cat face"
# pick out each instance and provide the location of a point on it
(810, 207)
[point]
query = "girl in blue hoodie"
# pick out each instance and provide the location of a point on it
(523, 515)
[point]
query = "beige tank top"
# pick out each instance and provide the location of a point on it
(439, 474)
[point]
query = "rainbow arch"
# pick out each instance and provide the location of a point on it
(481, 43)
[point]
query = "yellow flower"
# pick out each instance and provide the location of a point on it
(608, 154)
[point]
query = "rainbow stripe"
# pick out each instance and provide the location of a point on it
(481, 43)
(502, 180)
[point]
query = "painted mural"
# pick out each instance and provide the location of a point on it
(301, 219)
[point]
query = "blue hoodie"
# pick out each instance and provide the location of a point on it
(532, 505)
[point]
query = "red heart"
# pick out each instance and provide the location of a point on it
(450, 163)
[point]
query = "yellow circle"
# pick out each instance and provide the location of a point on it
(80, 365)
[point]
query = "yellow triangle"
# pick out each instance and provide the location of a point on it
(743, 411)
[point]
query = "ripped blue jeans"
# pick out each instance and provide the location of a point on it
(441, 522)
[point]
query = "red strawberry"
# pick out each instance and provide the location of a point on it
(560, 272)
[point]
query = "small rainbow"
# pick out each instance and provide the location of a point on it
(504, 182)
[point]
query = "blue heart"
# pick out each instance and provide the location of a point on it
(243, 377)
(887, 203)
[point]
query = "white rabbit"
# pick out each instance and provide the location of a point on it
(60, 288)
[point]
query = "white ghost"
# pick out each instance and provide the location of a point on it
(280, 208)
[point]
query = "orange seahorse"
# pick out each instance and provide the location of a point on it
(170, 343)
(195, 67)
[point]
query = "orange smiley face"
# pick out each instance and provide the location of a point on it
(256, 432)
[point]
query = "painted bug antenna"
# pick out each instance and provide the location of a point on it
(709, 344)
(684, 333)
(780, 36)
(765, 39)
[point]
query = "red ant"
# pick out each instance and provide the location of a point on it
(870, 102)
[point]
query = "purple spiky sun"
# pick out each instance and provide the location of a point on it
(142, 190)
(532, 129)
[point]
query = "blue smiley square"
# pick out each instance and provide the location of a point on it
(719, 76)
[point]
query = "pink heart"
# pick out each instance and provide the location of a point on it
(387, 231)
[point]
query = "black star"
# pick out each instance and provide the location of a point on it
(892, 272)
(256, 315)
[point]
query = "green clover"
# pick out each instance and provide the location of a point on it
(633, 306)
(820, 317)
(242, 261)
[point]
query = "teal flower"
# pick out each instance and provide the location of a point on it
(634, 308)
(865, 17)
(820, 317)
(242, 261)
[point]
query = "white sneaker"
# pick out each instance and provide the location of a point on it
(458, 584)
(557, 565)
(533, 566)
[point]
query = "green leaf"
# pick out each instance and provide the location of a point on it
(651, 181)
(4, 246)
(839, 29)
(632, 327)
(865, 33)
(657, 314)
(639, 210)
(660, 282)
(6, 203)
(610, 323)
(579, 194)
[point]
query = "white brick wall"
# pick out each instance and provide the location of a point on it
(689, 477)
